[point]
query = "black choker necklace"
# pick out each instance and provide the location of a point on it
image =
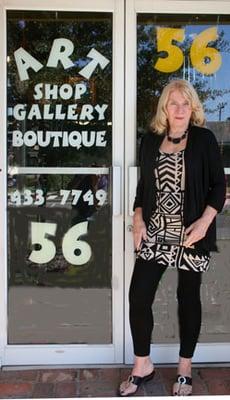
(178, 139)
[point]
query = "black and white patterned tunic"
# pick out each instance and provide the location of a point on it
(165, 233)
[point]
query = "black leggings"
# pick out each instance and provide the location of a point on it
(144, 283)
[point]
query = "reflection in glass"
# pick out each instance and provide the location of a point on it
(158, 37)
(59, 238)
(178, 46)
(59, 88)
(223, 231)
(59, 105)
(191, 37)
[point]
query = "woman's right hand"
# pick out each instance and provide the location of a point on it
(139, 228)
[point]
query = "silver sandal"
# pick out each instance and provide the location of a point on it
(182, 386)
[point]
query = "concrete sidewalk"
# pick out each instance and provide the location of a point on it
(103, 382)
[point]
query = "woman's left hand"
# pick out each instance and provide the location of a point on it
(195, 232)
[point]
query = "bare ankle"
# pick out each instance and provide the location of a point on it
(185, 366)
(142, 365)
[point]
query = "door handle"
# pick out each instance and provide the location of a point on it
(130, 228)
(116, 180)
(133, 171)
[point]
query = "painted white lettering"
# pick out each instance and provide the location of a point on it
(88, 138)
(59, 138)
(97, 58)
(51, 91)
(71, 113)
(47, 114)
(101, 111)
(58, 112)
(86, 112)
(34, 112)
(56, 135)
(101, 142)
(61, 50)
(30, 138)
(38, 91)
(17, 139)
(19, 112)
(43, 138)
(80, 89)
(66, 91)
(24, 61)
(65, 142)
(75, 139)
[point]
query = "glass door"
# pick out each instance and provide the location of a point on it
(180, 40)
(63, 290)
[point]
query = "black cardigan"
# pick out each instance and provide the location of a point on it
(204, 180)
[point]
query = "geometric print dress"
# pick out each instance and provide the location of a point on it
(166, 233)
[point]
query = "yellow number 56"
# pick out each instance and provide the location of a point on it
(205, 59)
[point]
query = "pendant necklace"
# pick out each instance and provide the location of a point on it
(178, 139)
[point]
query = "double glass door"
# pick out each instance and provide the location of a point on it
(80, 85)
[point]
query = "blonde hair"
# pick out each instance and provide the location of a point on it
(159, 123)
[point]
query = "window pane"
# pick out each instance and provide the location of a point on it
(59, 223)
(195, 48)
(59, 88)
(59, 266)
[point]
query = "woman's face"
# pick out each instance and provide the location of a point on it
(179, 111)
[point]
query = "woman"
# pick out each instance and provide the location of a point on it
(181, 189)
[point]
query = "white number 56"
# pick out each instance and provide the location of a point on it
(70, 243)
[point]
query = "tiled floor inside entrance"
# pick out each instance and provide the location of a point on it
(103, 382)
